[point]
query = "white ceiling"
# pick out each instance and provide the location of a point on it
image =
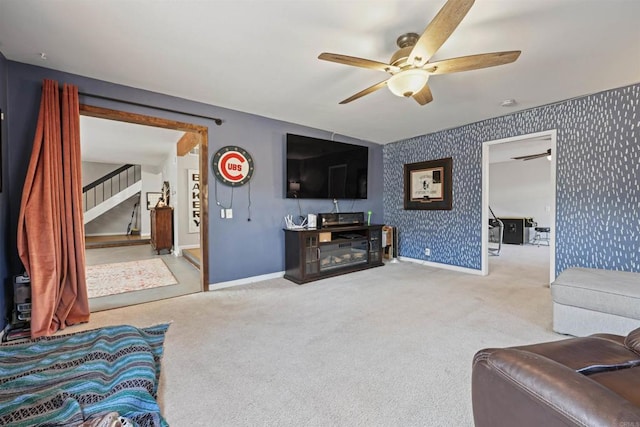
(108, 141)
(260, 56)
(499, 153)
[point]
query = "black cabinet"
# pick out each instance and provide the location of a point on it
(516, 230)
(316, 254)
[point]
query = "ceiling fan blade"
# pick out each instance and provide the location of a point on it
(439, 30)
(527, 157)
(424, 96)
(472, 62)
(358, 62)
(367, 91)
(533, 156)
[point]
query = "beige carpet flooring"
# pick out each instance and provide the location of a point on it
(390, 346)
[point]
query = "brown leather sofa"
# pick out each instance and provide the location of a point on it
(588, 381)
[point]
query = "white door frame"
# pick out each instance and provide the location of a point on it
(552, 134)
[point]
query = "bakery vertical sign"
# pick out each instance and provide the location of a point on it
(194, 200)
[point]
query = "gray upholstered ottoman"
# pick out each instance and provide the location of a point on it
(588, 301)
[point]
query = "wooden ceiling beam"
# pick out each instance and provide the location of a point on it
(188, 141)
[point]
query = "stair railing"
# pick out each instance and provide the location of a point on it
(109, 185)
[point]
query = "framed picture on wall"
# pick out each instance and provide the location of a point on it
(427, 185)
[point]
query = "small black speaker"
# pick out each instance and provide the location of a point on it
(22, 294)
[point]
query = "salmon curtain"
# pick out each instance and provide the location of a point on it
(50, 226)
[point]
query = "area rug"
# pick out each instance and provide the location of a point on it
(120, 277)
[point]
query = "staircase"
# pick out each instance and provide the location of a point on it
(109, 191)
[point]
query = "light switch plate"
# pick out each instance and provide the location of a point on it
(221, 213)
(229, 213)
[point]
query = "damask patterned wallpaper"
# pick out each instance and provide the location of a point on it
(598, 183)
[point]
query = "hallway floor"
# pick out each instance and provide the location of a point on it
(188, 276)
(194, 256)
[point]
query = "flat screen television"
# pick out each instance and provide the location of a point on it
(323, 169)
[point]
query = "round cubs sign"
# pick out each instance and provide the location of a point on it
(232, 166)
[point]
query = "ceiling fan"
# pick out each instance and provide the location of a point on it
(534, 156)
(409, 66)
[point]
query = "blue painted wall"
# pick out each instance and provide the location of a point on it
(5, 296)
(598, 183)
(238, 248)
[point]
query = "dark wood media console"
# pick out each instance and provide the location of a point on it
(317, 254)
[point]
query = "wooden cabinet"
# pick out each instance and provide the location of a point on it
(162, 228)
(316, 254)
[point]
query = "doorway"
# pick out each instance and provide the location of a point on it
(195, 139)
(519, 142)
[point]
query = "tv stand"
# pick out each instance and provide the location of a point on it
(312, 254)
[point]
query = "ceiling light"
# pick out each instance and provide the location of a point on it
(508, 103)
(408, 82)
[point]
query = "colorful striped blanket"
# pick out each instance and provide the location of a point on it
(68, 379)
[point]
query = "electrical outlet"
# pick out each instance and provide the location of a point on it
(427, 252)
(229, 213)
(222, 213)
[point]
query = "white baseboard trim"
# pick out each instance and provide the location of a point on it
(442, 266)
(245, 281)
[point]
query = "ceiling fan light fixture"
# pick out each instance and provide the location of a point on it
(408, 82)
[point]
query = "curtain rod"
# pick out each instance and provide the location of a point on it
(138, 104)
